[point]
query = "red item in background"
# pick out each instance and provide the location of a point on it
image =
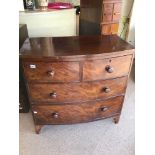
(59, 5)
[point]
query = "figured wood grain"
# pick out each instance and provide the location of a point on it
(95, 70)
(72, 92)
(63, 71)
(78, 113)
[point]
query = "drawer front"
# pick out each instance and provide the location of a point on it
(117, 7)
(106, 68)
(106, 29)
(108, 8)
(51, 72)
(83, 112)
(73, 92)
(116, 16)
(117, 12)
(107, 12)
(114, 28)
(107, 17)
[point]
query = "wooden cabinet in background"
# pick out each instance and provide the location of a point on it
(99, 17)
(111, 13)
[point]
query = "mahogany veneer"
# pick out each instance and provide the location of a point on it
(76, 79)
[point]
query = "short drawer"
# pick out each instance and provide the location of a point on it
(107, 12)
(108, 8)
(51, 72)
(117, 7)
(83, 112)
(117, 12)
(106, 68)
(73, 92)
(106, 29)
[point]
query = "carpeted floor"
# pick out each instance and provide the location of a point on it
(96, 138)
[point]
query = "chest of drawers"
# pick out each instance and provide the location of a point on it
(99, 17)
(76, 79)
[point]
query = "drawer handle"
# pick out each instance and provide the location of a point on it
(55, 115)
(53, 94)
(50, 73)
(109, 69)
(106, 89)
(104, 108)
(117, 13)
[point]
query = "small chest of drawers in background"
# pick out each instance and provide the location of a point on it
(99, 17)
(111, 13)
(76, 79)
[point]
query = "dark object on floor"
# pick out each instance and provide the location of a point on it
(77, 9)
(23, 97)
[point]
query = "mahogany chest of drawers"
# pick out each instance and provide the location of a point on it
(76, 79)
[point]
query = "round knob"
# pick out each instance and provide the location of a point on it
(109, 69)
(55, 115)
(50, 73)
(53, 94)
(106, 89)
(104, 108)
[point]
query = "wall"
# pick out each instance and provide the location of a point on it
(126, 9)
(49, 23)
(131, 35)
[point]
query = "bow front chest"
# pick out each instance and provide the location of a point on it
(76, 79)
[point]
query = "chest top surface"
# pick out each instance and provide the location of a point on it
(75, 46)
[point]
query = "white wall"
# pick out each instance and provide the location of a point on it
(20, 5)
(131, 35)
(126, 8)
(48, 24)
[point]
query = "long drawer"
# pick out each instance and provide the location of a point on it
(106, 68)
(51, 72)
(69, 113)
(73, 92)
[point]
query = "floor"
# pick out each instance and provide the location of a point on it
(96, 138)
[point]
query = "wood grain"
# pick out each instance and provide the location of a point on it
(78, 113)
(74, 92)
(95, 70)
(63, 71)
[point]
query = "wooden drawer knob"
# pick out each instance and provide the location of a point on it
(109, 69)
(50, 73)
(104, 108)
(55, 115)
(106, 89)
(53, 94)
